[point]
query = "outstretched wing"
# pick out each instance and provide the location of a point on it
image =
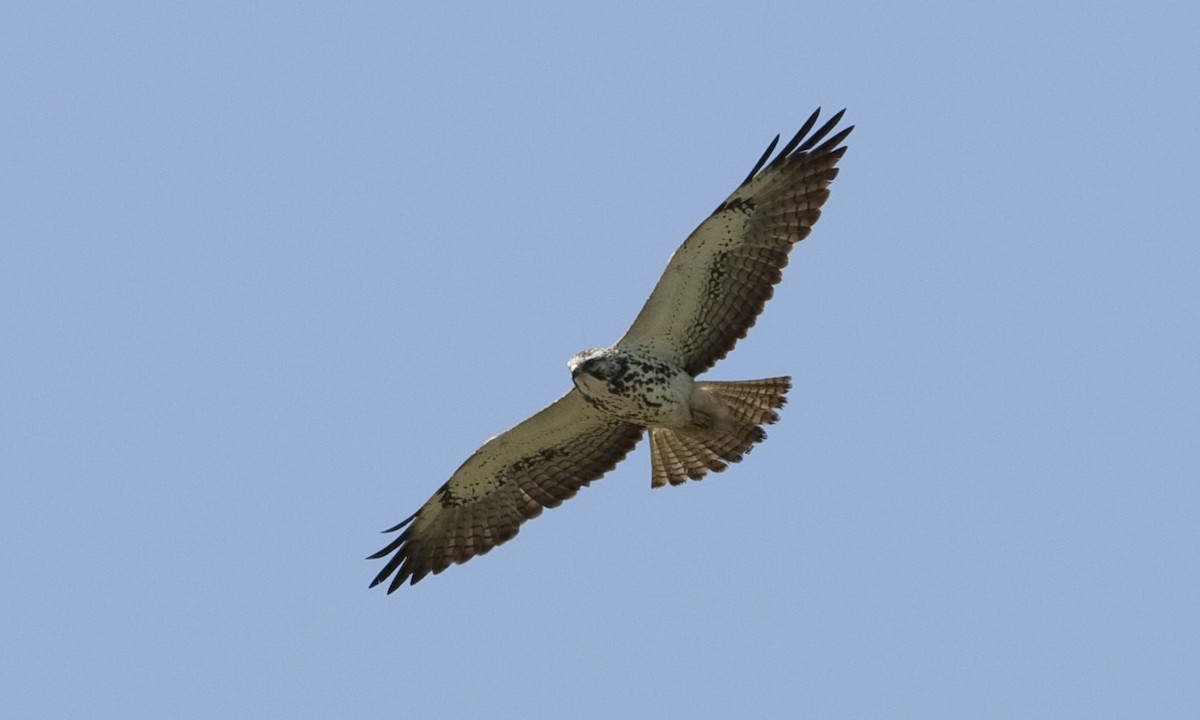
(509, 480)
(718, 281)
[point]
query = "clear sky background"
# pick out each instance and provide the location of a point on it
(270, 272)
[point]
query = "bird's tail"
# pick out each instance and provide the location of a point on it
(741, 409)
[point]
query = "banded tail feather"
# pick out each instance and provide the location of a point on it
(677, 455)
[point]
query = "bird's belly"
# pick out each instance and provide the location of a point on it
(651, 400)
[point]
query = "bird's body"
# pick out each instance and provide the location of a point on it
(711, 293)
(635, 385)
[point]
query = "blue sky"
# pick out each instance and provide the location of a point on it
(270, 272)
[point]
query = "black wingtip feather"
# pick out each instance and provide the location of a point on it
(820, 134)
(398, 559)
(403, 522)
(762, 160)
(395, 565)
(801, 142)
(829, 145)
(787, 149)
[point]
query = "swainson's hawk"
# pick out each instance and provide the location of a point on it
(711, 293)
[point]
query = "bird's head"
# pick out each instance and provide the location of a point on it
(600, 363)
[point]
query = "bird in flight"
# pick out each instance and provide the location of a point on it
(711, 293)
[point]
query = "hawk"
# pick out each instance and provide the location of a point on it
(711, 293)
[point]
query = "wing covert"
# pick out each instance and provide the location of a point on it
(537, 464)
(717, 283)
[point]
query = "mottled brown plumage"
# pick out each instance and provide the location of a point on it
(537, 464)
(717, 283)
(711, 293)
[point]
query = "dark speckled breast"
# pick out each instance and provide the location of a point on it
(638, 388)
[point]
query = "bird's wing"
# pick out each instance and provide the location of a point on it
(718, 281)
(535, 465)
